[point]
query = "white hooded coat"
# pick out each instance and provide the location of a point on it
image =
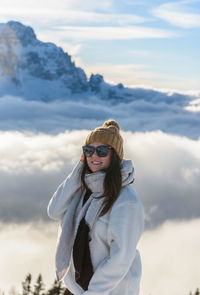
(114, 236)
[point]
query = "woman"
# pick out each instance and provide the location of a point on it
(102, 220)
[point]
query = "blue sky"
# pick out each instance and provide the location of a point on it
(147, 43)
(151, 44)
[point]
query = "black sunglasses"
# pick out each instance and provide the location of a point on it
(101, 150)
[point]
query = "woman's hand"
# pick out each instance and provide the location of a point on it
(82, 158)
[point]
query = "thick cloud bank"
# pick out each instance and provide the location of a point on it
(149, 110)
(169, 256)
(32, 165)
(167, 173)
(27, 248)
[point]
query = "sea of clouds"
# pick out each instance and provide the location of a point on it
(149, 110)
(169, 256)
(167, 173)
(40, 144)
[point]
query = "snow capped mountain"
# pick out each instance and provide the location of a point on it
(34, 69)
(38, 70)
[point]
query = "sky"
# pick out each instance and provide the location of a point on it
(152, 44)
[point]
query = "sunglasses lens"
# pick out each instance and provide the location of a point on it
(102, 151)
(88, 150)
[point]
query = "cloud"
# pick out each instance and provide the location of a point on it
(135, 2)
(31, 171)
(33, 165)
(61, 5)
(127, 74)
(27, 248)
(67, 13)
(147, 110)
(112, 32)
(194, 106)
(71, 49)
(169, 255)
(80, 17)
(176, 13)
(140, 75)
(167, 169)
(70, 17)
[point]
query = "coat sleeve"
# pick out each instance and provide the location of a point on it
(125, 227)
(59, 202)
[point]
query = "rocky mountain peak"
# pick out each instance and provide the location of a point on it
(28, 63)
(95, 82)
(25, 34)
(37, 70)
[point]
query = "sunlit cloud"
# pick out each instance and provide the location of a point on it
(27, 248)
(67, 13)
(169, 255)
(65, 4)
(112, 32)
(194, 106)
(167, 165)
(71, 49)
(128, 74)
(72, 38)
(70, 17)
(140, 75)
(166, 179)
(177, 14)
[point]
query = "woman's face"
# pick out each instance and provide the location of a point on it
(97, 163)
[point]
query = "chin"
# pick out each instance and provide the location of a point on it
(95, 169)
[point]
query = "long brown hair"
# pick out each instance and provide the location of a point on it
(112, 181)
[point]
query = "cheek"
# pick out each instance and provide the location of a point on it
(88, 161)
(89, 164)
(107, 161)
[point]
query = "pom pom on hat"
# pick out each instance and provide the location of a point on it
(108, 134)
(112, 123)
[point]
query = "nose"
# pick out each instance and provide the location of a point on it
(95, 154)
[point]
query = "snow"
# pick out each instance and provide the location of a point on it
(42, 72)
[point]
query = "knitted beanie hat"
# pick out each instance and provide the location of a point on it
(108, 134)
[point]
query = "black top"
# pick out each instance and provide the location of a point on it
(81, 252)
(86, 197)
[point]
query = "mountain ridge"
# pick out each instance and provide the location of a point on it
(41, 89)
(39, 70)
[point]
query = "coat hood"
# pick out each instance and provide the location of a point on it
(95, 180)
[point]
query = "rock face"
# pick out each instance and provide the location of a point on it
(38, 70)
(95, 82)
(35, 69)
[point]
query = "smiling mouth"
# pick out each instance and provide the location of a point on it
(96, 163)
